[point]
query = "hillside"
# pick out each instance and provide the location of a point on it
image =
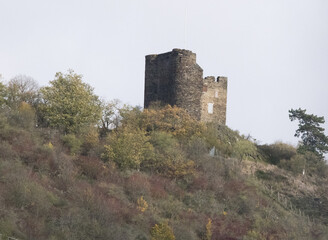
(74, 167)
(57, 186)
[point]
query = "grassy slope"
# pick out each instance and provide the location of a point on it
(45, 193)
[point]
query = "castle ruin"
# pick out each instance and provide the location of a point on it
(175, 78)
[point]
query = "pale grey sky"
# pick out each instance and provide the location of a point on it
(274, 52)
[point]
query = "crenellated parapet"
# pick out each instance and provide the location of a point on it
(214, 99)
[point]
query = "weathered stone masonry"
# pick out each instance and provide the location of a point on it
(175, 78)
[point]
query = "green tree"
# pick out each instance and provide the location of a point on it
(128, 148)
(3, 93)
(170, 160)
(69, 104)
(309, 129)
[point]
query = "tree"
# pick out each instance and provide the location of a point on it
(3, 93)
(171, 119)
(309, 129)
(170, 160)
(69, 104)
(22, 89)
(128, 148)
(162, 231)
(110, 117)
(23, 116)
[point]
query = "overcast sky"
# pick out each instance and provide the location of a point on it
(274, 52)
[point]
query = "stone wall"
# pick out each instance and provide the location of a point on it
(189, 84)
(175, 78)
(160, 79)
(215, 93)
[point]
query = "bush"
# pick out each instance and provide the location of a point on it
(210, 135)
(169, 160)
(308, 162)
(296, 164)
(90, 140)
(23, 117)
(63, 170)
(173, 120)
(6, 151)
(183, 231)
(137, 184)
(274, 153)
(196, 147)
(162, 231)
(142, 204)
(170, 208)
(92, 168)
(226, 139)
(244, 149)
(128, 148)
(72, 143)
(270, 176)
(7, 224)
(209, 229)
(26, 194)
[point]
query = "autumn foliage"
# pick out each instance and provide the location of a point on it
(138, 174)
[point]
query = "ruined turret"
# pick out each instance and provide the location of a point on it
(175, 78)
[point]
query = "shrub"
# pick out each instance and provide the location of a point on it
(173, 120)
(169, 160)
(90, 140)
(23, 193)
(170, 208)
(274, 153)
(308, 162)
(162, 231)
(137, 184)
(226, 139)
(6, 151)
(184, 230)
(315, 164)
(142, 204)
(92, 168)
(64, 170)
(128, 148)
(72, 143)
(269, 176)
(296, 164)
(7, 224)
(210, 134)
(48, 146)
(203, 202)
(209, 229)
(196, 147)
(157, 186)
(23, 117)
(244, 149)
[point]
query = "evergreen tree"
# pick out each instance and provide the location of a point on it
(309, 129)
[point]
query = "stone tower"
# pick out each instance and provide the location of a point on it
(175, 78)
